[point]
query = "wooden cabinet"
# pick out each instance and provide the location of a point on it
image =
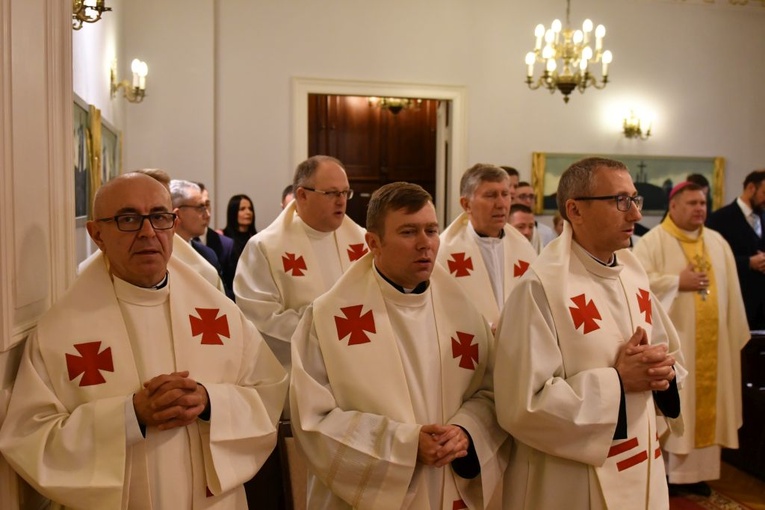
(375, 145)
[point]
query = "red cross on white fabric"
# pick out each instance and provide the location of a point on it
(89, 363)
(294, 264)
(355, 325)
(356, 251)
(464, 348)
(459, 265)
(585, 313)
(209, 325)
(644, 303)
(520, 268)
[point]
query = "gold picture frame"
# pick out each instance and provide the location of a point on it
(654, 176)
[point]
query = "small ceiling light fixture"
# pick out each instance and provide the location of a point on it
(567, 56)
(637, 125)
(394, 104)
(84, 11)
(136, 91)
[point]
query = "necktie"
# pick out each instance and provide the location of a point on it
(756, 224)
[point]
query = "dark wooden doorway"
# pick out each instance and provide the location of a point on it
(375, 145)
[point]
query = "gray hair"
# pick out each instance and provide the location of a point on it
(578, 179)
(478, 173)
(180, 191)
(307, 168)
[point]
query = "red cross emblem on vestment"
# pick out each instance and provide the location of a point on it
(459, 265)
(296, 265)
(459, 505)
(630, 453)
(585, 313)
(355, 324)
(356, 251)
(644, 303)
(520, 268)
(89, 363)
(209, 325)
(464, 348)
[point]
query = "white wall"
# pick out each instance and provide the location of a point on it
(700, 75)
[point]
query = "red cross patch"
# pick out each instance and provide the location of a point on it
(355, 325)
(644, 303)
(296, 265)
(89, 363)
(629, 452)
(356, 251)
(459, 505)
(209, 325)
(464, 348)
(520, 268)
(585, 313)
(459, 265)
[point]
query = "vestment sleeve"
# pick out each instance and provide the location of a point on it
(573, 417)
(367, 460)
(241, 433)
(258, 296)
(75, 457)
(665, 286)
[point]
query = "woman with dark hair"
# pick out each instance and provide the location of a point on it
(240, 222)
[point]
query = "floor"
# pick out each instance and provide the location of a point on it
(742, 487)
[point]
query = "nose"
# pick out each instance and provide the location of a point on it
(146, 229)
(633, 214)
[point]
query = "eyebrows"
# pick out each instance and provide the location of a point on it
(133, 210)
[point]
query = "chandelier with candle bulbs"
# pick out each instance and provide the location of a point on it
(568, 57)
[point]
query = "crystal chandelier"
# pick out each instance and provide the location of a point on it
(84, 11)
(568, 56)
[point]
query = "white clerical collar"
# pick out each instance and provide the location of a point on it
(146, 296)
(484, 239)
(312, 232)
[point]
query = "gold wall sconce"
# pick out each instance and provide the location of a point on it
(135, 91)
(394, 104)
(637, 125)
(84, 11)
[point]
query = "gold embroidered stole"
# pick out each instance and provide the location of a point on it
(706, 334)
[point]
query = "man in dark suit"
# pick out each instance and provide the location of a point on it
(741, 224)
(222, 245)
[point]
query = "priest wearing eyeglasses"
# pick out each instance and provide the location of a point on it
(143, 386)
(585, 356)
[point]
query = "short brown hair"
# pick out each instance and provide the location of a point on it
(392, 197)
(578, 181)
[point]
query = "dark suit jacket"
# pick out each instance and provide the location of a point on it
(223, 246)
(744, 242)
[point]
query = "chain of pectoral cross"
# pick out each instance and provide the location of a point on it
(701, 265)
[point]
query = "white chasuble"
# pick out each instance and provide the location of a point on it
(460, 255)
(664, 259)
(284, 267)
(69, 431)
(370, 366)
(558, 393)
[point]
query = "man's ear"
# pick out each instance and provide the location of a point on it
(94, 231)
(573, 212)
(465, 203)
(373, 241)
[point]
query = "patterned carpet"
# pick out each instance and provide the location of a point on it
(716, 501)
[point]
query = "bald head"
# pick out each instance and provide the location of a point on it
(134, 200)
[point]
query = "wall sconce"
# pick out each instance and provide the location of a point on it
(85, 13)
(133, 92)
(637, 126)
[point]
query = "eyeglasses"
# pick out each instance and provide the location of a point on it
(134, 222)
(525, 196)
(623, 202)
(201, 208)
(348, 193)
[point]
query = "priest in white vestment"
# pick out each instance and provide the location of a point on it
(143, 386)
(585, 356)
(541, 235)
(693, 273)
(484, 254)
(300, 255)
(391, 394)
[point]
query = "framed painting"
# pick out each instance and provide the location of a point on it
(654, 177)
(82, 160)
(111, 151)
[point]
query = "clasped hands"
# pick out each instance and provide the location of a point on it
(441, 444)
(644, 367)
(170, 400)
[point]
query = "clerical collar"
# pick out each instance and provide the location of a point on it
(161, 284)
(611, 263)
(486, 236)
(419, 289)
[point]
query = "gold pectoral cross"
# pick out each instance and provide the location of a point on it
(701, 266)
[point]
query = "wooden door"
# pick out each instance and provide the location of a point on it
(375, 145)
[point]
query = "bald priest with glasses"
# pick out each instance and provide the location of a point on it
(587, 356)
(143, 386)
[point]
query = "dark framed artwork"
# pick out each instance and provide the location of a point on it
(82, 159)
(654, 177)
(111, 152)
